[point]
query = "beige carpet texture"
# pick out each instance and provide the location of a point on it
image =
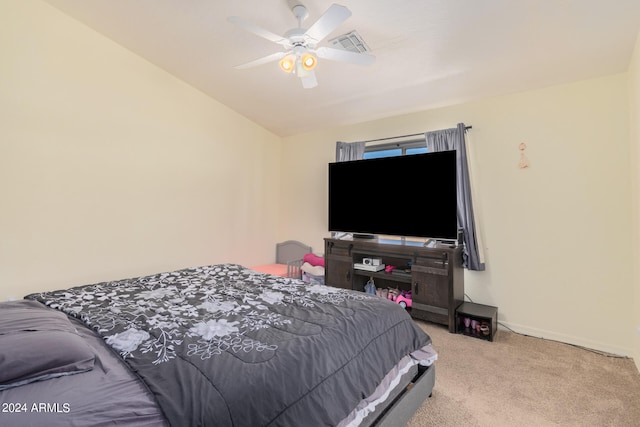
(523, 381)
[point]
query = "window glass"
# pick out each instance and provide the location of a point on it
(372, 153)
(382, 153)
(420, 150)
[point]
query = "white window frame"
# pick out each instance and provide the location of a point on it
(403, 146)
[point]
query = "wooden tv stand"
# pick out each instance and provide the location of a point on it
(434, 275)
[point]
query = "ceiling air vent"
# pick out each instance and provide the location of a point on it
(351, 42)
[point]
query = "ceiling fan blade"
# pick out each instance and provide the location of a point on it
(258, 31)
(269, 58)
(329, 21)
(309, 80)
(345, 56)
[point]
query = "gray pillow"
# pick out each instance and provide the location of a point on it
(38, 343)
(28, 315)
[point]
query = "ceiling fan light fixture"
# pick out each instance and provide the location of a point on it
(287, 63)
(300, 69)
(309, 61)
(300, 56)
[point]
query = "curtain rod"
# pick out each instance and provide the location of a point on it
(404, 136)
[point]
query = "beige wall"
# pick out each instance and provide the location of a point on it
(557, 238)
(634, 97)
(111, 168)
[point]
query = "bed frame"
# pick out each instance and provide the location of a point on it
(289, 261)
(404, 400)
(291, 253)
(291, 250)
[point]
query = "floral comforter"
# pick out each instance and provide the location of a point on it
(224, 345)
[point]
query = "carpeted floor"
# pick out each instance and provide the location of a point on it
(524, 381)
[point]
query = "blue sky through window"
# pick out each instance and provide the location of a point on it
(420, 150)
(393, 152)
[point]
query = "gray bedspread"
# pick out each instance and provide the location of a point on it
(107, 395)
(223, 345)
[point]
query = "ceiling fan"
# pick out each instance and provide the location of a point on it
(301, 54)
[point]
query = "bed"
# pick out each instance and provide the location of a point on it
(289, 259)
(219, 345)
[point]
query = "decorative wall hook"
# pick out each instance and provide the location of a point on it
(524, 162)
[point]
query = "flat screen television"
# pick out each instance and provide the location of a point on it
(410, 196)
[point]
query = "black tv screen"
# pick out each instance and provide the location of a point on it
(413, 195)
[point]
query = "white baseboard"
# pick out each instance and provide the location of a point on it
(568, 339)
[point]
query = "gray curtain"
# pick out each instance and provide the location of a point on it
(454, 139)
(346, 151)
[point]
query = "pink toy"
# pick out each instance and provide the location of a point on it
(393, 293)
(404, 299)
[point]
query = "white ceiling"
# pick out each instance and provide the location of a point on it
(429, 53)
